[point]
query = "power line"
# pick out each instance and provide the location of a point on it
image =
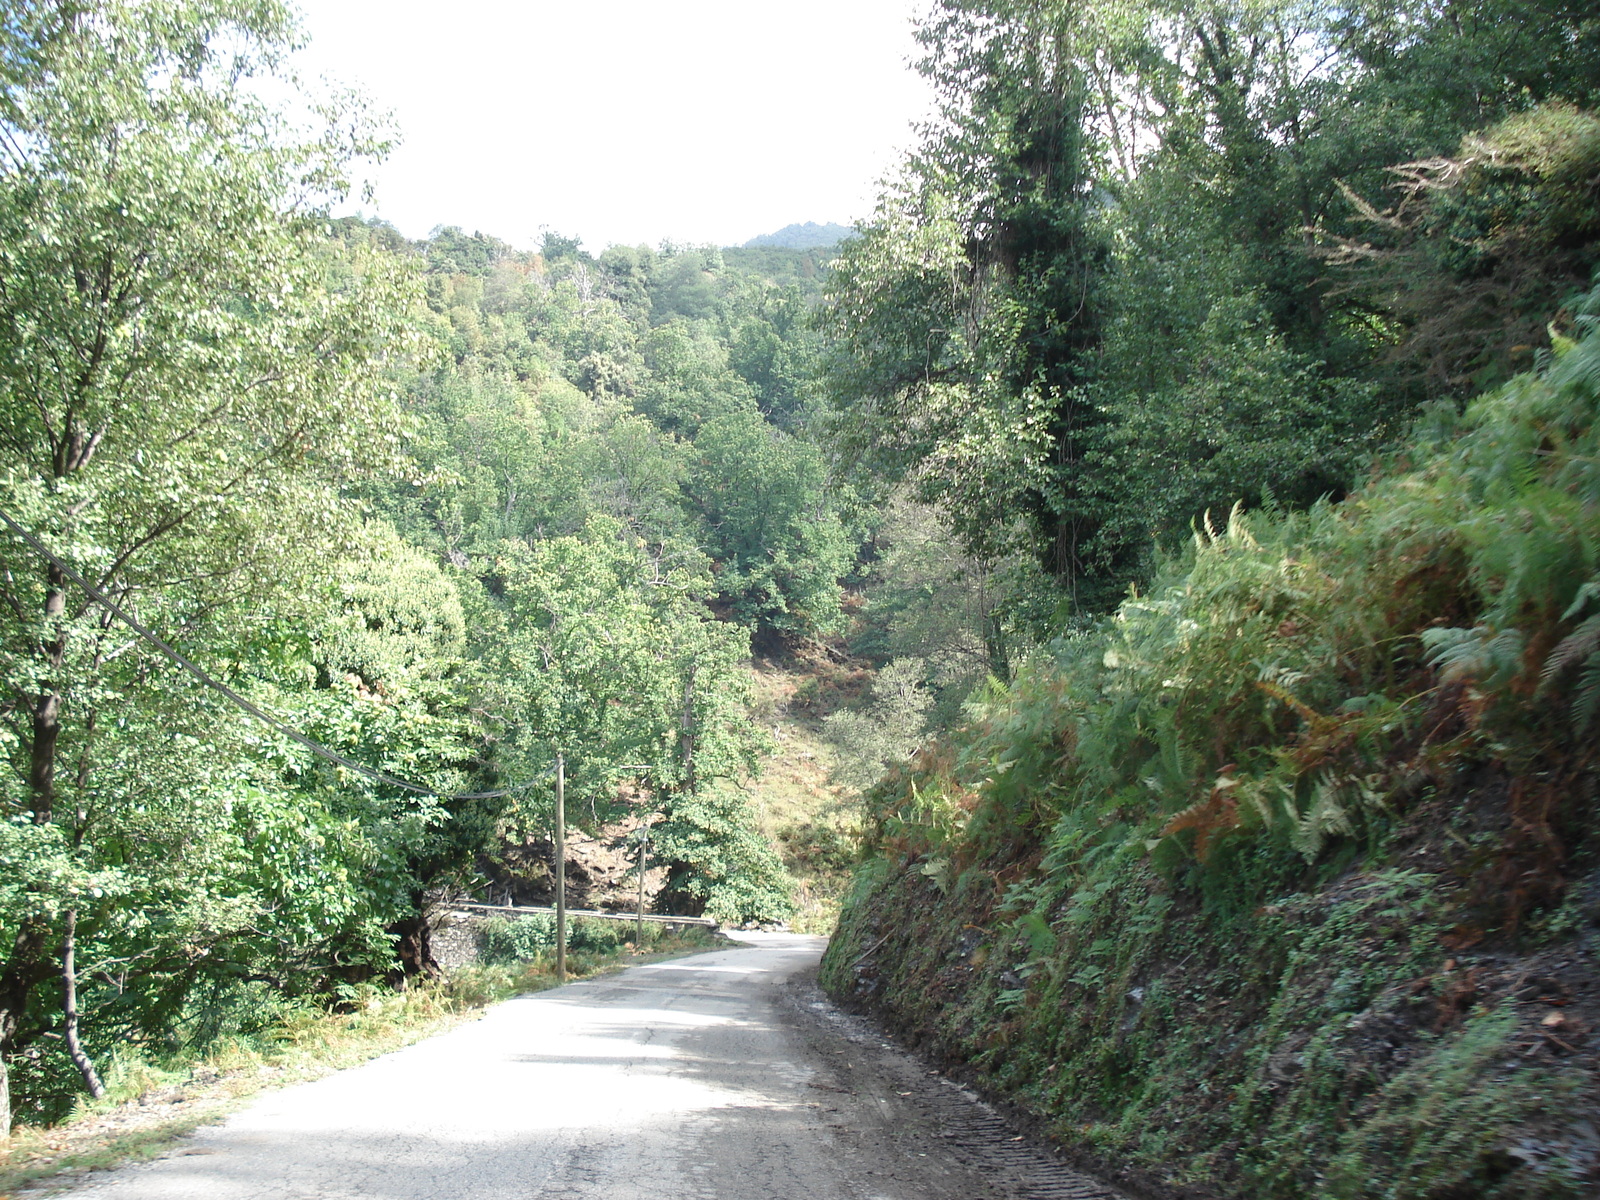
(224, 690)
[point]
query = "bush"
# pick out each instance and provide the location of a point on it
(522, 939)
(529, 938)
(588, 933)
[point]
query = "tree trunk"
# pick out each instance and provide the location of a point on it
(69, 1006)
(687, 728)
(47, 705)
(5, 1097)
(26, 966)
(414, 949)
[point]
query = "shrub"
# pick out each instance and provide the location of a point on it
(520, 939)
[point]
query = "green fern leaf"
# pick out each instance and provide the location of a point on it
(1576, 646)
(1586, 704)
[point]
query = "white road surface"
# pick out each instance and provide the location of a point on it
(684, 1080)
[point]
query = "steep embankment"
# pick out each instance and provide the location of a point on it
(799, 808)
(1282, 883)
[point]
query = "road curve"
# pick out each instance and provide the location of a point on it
(691, 1079)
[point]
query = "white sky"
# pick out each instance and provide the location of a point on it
(627, 120)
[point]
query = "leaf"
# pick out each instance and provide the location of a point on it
(1041, 938)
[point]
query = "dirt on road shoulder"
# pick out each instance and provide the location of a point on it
(920, 1108)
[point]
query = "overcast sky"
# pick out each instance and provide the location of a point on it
(627, 120)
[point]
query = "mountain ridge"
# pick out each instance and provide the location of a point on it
(808, 236)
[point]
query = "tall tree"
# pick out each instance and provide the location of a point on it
(600, 647)
(182, 372)
(1097, 302)
(966, 314)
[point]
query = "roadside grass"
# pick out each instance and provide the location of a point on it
(151, 1103)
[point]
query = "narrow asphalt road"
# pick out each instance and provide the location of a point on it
(702, 1078)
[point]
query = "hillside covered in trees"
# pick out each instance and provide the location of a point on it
(438, 510)
(1249, 352)
(1176, 507)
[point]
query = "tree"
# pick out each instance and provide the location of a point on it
(965, 316)
(771, 523)
(682, 284)
(887, 729)
(601, 648)
(690, 380)
(717, 862)
(182, 377)
(774, 348)
(495, 459)
(1097, 300)
(222, 870)
(389, 691)
(926, 600)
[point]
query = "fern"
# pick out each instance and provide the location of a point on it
(1211, 818)
(1041, 938)
(1329, 814)
(1286, 647)
(1575, 647)
(1480, 655)
(1586, 704)
(1582, 645)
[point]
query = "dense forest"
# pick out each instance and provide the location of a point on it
(1192, 459)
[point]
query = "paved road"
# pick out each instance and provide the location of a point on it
(696, 1079)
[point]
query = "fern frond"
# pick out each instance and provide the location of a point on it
(1586, 593)
(1577, 645)
(1586, 704)
(1479, 654)
(1299, 707)
(1329, 814)
(1210, 818)
(1239, 527)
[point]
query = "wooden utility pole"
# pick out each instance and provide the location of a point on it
(561, 869)
(638, 932)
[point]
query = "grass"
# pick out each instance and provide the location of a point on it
(152, 1104)
(812, 820)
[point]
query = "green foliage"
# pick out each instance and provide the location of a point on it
(717, 863)
(887, 729)
(1428, 1122)
(158, 229)
(771, 524)
(566, 402)
(597, 648)
(1483, 246)
(440, 506)
(690, 381)
(532, 938)
(967, 618)
(1097, 301)
(1194, 866)
(1262, 683)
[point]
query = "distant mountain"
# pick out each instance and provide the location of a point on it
(809, 236)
